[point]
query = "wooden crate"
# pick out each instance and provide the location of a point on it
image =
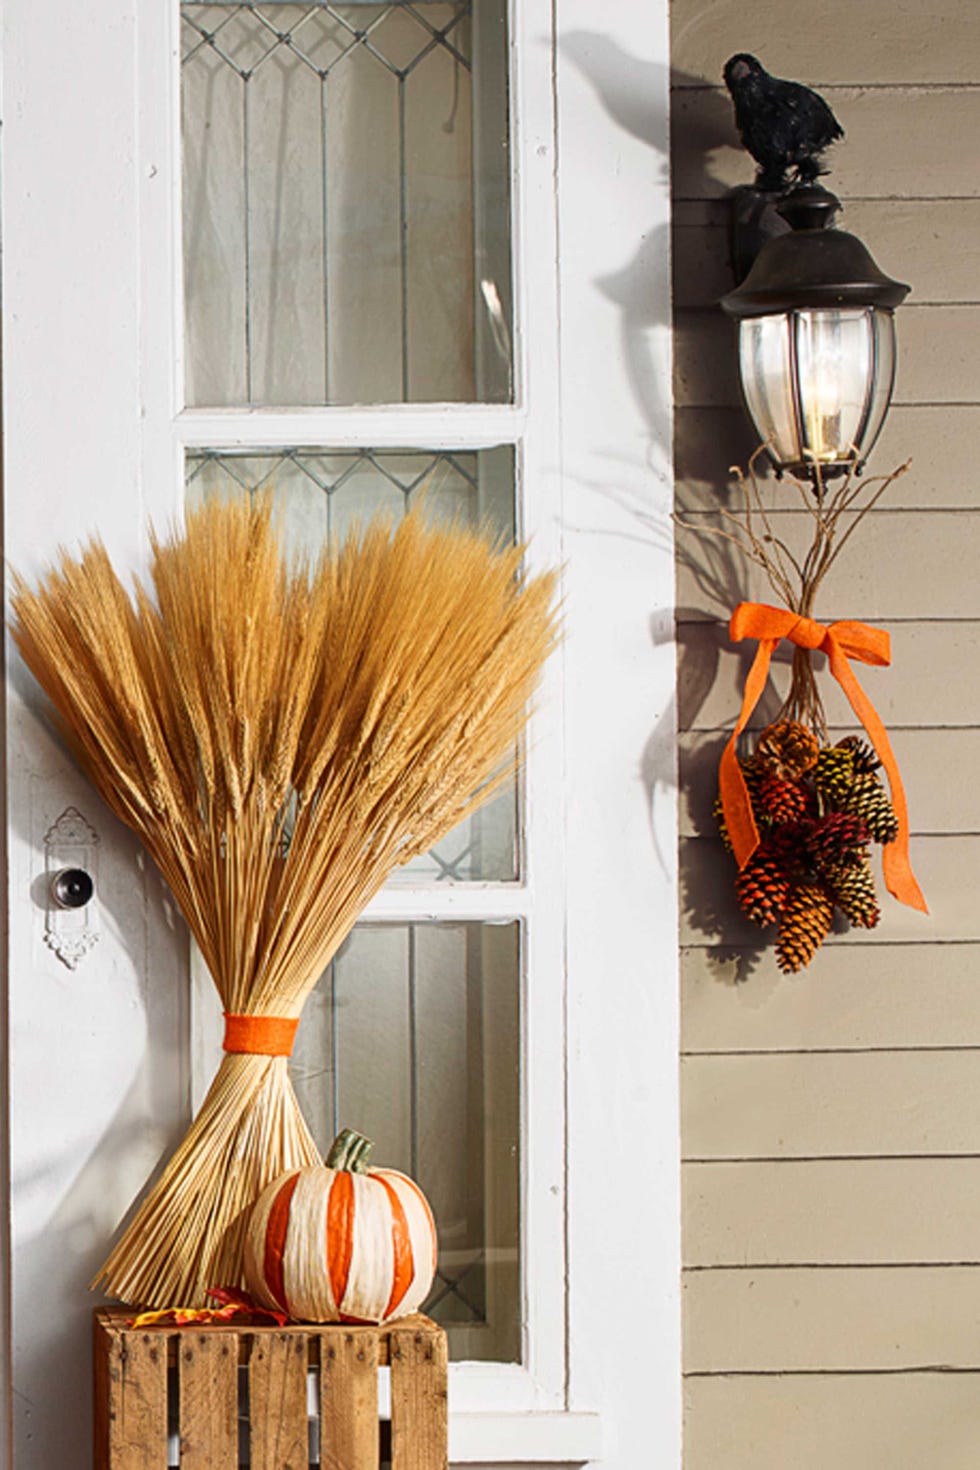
(150, 1382)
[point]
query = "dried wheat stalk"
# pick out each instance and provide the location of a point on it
(280, 740)
(796, 575)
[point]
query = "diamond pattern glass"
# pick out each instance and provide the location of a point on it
(320, 493)
(346, 202)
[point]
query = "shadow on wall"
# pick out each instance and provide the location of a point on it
(55, 1430)
(628, 90)
(707, 662)
(81, 1169)
(707, 440)
(626, 87)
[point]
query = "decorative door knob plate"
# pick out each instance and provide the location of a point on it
(71, 848)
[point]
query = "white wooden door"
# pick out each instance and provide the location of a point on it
(114, 401)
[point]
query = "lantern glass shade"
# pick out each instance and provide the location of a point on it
(817, 384)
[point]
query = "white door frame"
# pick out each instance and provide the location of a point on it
(91, 347)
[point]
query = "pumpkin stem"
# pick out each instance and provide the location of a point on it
(349, 1151)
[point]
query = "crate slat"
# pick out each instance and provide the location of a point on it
(131, 1406)
(208, 1394)
(277, 1402)
(349, 1401)
(419, 1409)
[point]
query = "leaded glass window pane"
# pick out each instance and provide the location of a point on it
(413, 1037)
(322, 492)
(346, 202)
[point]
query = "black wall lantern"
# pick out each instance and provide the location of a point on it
(816, 329)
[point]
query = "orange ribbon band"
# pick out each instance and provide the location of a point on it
(840, 642)
(266, 1036)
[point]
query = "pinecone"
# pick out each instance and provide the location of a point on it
(865, 759)
(762, 887)
(834, 773)
(868, 800)
(853, 890)
(788, 845)
(806, 922)
(781, 800)
(838, 839)
(787, 749)
(753, 774)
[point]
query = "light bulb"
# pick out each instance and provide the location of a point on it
(821, 406)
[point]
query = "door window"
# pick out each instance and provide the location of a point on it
(346, 216)
(346, 240)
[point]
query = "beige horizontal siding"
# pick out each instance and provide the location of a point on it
(831, 1105)
(938, 357)
(833, 1421)
(864, 1212)
(795, 1320)
(869, 996)
(939, 354)
(891, 568)
(948, 869)
(942, 441)
(909, 41)
(831, 1120)
(918, 241)
(899, 143)
(931, 681)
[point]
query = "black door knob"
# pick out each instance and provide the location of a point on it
(72, 888)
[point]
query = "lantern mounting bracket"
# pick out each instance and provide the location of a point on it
(753, 222)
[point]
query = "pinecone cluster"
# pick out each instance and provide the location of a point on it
(818, 810)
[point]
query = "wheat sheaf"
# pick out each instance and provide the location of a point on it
(280, 737)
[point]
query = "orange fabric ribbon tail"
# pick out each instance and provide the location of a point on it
(265, 1036)
(840, 642)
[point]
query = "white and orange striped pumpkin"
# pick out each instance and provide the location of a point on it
(342, 1242)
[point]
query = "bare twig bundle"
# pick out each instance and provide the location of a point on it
(796, 574)
(798, 813)
(280, 741)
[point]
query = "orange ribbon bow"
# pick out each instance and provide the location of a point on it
(839, 641)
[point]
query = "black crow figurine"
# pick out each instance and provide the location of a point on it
(785, 126)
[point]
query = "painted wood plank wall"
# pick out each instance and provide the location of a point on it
(831, 1120)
